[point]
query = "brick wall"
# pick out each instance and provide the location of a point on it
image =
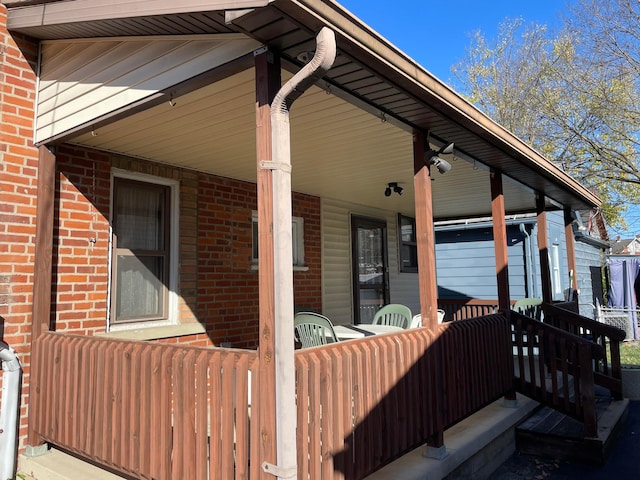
(18, 179)
(217, 285)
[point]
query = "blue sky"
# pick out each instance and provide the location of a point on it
(437, 33)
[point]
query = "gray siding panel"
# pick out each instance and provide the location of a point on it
(466, 264)
(589, 261)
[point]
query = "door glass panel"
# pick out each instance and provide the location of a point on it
(370, 263)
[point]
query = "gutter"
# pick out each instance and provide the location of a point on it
(11, 373)
(280, 165)
(594, 242)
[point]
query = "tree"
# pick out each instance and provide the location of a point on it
(573, 96)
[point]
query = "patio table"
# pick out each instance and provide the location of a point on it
(350, 332)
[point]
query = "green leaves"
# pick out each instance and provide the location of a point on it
(574, 96)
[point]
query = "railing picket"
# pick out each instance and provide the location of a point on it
(119, 429)
(227, 440)
(328, 412)
(302, 432)
(142, 457)
(338, 400)
(254, 435)
(315, 425)
(215, 416)
(240, 415)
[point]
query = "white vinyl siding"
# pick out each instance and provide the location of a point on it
(337, 285)
(83, 80)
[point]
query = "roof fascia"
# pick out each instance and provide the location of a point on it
(54, 13)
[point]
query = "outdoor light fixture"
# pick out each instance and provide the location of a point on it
(432, 157)
(393, 187)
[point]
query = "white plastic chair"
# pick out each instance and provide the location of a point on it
(416, 321)
(394, 314)
(313, 329)
(531, 307)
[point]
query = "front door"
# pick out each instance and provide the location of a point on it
(370, 279)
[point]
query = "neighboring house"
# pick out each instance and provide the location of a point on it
(592, 248)
(628, 246)
(456, 239)
(152, 202)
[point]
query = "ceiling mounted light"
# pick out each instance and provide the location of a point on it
(432, 157)
(393, 187)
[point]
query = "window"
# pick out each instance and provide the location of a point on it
(408, 247)
(297, 240)
(556, 280)
(142, 259)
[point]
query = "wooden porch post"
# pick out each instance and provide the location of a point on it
(571, 251)
(427, 284)
(41, 310)
(500, 240)
(425, 237)
(543, 248)
(267, 67)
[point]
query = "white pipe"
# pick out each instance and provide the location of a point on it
(283, 268)
(11, 372)
(531, 279)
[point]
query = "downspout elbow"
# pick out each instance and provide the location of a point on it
(308, 75)
(10, 362)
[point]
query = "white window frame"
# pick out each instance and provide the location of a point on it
(297, 242)
(174, 229)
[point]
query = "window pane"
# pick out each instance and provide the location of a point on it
(409, 256)
(407, 229)
(140, 216)
(139, 292)
(254, 253)
(371, 262)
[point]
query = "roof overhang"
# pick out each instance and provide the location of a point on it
(369, 72)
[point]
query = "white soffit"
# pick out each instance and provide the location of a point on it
(84, 80)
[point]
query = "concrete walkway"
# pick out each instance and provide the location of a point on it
(623, 462)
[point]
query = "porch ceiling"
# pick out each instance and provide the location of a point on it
(340, 149)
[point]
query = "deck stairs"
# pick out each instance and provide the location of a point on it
(550, 434)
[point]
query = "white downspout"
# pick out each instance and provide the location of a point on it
(529, 263)
(11, 372)
(322, 60)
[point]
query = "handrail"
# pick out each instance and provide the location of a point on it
(608, 372)
(463, 308)
(554, 367)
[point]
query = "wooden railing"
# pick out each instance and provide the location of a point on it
(160, 411)
(363, 403)
(147, 410)
(555, 368)
(607, 370)
(460, 309)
